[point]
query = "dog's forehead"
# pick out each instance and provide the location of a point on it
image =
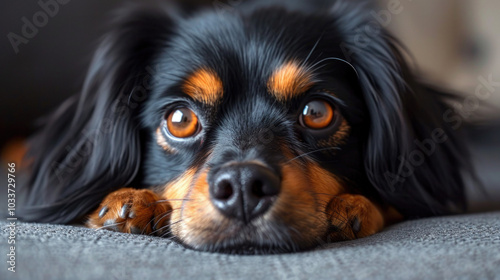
(247, 54)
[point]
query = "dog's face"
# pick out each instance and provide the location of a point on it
(262, 129)
(256, 129)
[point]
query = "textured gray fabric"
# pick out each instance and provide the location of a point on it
(459, 247)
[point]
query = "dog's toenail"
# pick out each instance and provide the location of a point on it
(131, 214)
(124, 211)
(103, 211)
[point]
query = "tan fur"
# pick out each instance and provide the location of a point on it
(162, 142)
(204, 86)
(347, 210)
(148, 210)
(289, 80)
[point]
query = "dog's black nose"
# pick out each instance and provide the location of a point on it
(244, 191)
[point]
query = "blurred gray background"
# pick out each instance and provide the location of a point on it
(454, 43)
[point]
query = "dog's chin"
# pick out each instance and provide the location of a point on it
(248, 240)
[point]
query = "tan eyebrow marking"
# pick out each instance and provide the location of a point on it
(204, 86)
(289, 80)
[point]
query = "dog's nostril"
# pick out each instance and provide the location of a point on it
(224, 190)
(261, 188)
(258, 189)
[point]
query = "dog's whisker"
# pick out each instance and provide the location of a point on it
(312, 50)
(159, 219)
(173, 199)
(170, 227)
(109, 226)
(312, 152)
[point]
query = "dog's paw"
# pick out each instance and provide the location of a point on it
(354, 216)
(132, 211)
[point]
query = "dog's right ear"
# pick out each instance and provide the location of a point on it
(91, 145)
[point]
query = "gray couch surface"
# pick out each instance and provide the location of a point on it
(454, 247)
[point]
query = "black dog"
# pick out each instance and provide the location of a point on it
(260, 128)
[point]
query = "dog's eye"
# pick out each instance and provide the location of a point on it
(317, 114)
(182, 123)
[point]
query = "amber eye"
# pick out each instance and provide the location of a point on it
(182, 123)
(317, 114)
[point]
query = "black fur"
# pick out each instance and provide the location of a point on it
(103, 139)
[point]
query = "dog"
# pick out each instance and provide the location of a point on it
(266, 127)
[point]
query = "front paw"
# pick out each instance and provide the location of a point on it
(132, 211)
(354, 216)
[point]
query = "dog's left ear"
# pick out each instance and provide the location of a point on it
(92, 144)
(413, 157)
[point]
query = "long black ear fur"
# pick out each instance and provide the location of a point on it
(92, 144)
(409, 169)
